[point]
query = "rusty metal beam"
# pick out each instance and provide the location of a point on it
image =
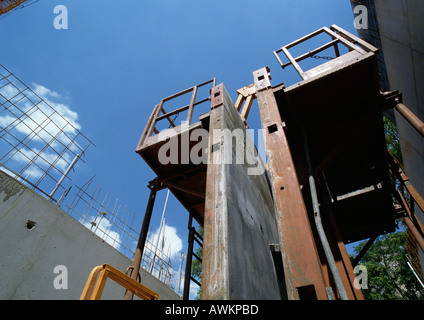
(185, 189)
(8, 5)
(146, 129)
(300, 258)
(189, 258)
(364, 251)
(410, 222)
(411, 118)
(141, 242)
(345, 265)
(404, 180)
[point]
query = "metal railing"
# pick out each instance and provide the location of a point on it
(338, 36)
(159, 114)
(93, 289)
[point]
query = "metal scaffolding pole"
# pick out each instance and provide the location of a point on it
(141, 242)
(317, 215)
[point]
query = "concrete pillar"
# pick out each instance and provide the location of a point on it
(239, 226)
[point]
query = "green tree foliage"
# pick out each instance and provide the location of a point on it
(392, 139)
(389, 276)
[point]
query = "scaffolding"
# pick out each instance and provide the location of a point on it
(327, 166)
(41, 142)
(118, 226)
(40, 139)
(7, 6)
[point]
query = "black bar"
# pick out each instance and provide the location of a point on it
(189, 259)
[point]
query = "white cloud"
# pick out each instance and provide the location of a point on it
(172, 243)
(44, 92)
(169, 249)
(38, 123)
(103, 228)
(47, 119)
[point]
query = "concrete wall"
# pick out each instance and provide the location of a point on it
(28, 256)
(402, 36)
(239, 224)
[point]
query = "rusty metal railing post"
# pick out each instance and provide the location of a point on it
(189, 259)
(302, 268)
(141, 241)
(411, 118)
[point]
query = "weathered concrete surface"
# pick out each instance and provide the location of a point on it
(401, 25)
(402, 35)
(239, 221)
(28, 257)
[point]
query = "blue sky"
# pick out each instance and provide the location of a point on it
(117, 60)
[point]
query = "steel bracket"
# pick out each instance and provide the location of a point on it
(262, 79)
(275, 247)
(217, 96)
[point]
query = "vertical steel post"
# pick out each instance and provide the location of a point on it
(64, 175)
(302, 268)
(162, 225)
(141, 241)
(317, 216)
(191, 107)
(189, 259)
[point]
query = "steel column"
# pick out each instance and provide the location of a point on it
(141, 241)
(77, 157)
(300, 258)
(189, 259)
(411, 118)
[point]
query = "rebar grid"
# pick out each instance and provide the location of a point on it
(118, 226)
(37, 142)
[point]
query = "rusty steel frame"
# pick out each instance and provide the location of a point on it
(141, 241)
(306, 252)
(8, 5)
(414, 225)
(337, 34)
(300, 257)
(192, 236)
(413, 120)
(156, 116)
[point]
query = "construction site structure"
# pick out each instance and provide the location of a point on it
(277, 229)
(396, 28)
(9, 5)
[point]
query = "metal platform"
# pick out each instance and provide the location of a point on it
(340, 105)
(185, 179)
